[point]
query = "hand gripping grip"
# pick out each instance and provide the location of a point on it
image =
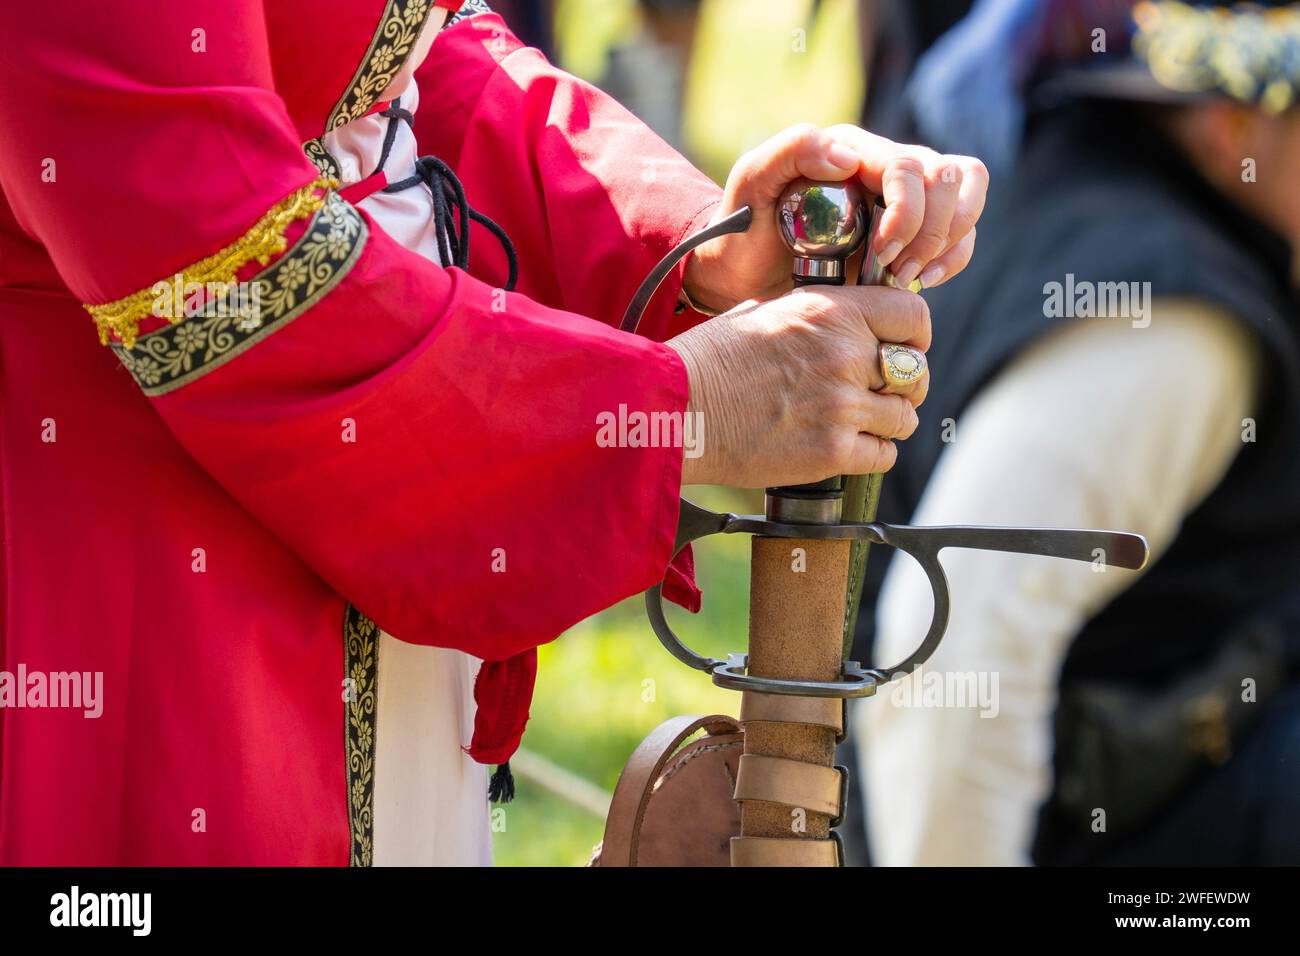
(1116, 548)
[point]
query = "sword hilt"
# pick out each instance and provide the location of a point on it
(825, 223)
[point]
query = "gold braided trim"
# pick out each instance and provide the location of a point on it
(264, 240)
(172, 356)
(1249, 53)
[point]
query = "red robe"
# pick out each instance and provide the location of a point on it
(216, 517)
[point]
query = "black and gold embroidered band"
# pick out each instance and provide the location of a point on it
(176, 355)
(322, 158)
(360, 706)
(468, 9)
(399, 28)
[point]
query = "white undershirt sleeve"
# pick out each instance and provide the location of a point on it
(1101, 425)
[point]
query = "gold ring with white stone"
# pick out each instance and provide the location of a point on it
(900, 365)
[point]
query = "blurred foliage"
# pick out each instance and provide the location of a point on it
(586, 29)
(607, 683)
(762, 65)
(757, 67)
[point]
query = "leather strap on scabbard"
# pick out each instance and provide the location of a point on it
(783, 708)
(767, 851)
(791, 783)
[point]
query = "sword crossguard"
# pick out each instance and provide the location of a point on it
(922, 544)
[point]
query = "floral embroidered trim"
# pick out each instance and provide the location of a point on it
(264, 239)
(176, 355)
(322, 158)
(1247, 52)
(361, 698)
(399, 28)
(468, 9)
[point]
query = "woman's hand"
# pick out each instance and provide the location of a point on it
(928, 230)
(791, 391)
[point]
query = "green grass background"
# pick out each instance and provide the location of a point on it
(593, 704)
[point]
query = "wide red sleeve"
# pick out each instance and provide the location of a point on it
(589, 177)
(593, 194)
(429, 444)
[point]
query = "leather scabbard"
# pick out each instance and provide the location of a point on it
(796, 621)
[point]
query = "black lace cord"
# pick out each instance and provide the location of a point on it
(453, 245)
(394, 112)
(448, 195)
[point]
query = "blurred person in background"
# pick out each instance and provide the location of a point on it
(719, 76)
(895, 33)
(532, 21)
(760, 65)
(646, 72)
(1124, 353)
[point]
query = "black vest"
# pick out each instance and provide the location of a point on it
(1099, 193)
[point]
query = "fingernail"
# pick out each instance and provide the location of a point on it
(890, 252)
(842, 157)
(904, 276)
(932, 276)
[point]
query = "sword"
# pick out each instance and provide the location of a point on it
(808, 559)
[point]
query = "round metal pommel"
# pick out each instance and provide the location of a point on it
(823, 224)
